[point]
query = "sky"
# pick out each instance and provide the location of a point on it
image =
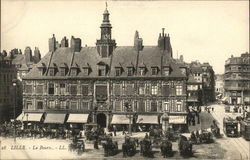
(208, 31)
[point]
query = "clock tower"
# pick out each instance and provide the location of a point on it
(106, 44)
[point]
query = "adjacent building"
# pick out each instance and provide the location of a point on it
(237, 79)
(12, 68)
(7, 74)
(203, 73)
(219, 86)
(24, 62)
(104, 83)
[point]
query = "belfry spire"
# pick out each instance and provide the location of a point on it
(106, 45)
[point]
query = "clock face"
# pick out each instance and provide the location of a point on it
(107, 36)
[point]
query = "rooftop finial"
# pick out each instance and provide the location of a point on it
(106, 5)
(163, 31)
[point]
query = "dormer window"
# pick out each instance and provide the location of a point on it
(86, 69)
(166, 71)
(74, 70)
(118, 71)
(51, 71)
(183, 71)
(102, 69)
(130, 71)
(41, 67)
(62, 72)
(63, 68)
(142, 71)
(154, 70)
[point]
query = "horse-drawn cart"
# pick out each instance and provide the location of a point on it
(185, 146)
(77, 145)
(129, 147)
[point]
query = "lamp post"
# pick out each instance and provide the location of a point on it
(14, 83)
(129, 111)
(165, 119)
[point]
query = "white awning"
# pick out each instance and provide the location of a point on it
(32, 117)
(147, 119)
(55, 118)
(20, 117)
(77, 118)
(177, 119)
(120, 119)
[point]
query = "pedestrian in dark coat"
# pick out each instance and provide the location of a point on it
(123, 131)
(193, 121)
(96, 142)
(114, 129)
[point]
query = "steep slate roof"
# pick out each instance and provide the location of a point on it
(196, 69)
(123, 56)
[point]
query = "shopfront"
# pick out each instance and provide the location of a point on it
(31, 120)
(178, 122)
(77, 121)
(54, 120)
(145, 122)
(121, 122)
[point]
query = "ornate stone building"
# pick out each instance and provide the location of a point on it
(101, 81)
(237, 79)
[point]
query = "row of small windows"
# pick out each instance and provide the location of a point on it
(118, 89)
(150, 106)
(237, 75)
(103, 70)
(61, 89)
(142, 71)
(238, 68)
(235, 84)
(59, 105)
(138, 106)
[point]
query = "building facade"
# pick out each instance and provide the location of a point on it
(13, 67)
(219, 86)
(7, 99)
(237, 81)
(201, 83)
(24, 62)
(194, 92)
(105, 80)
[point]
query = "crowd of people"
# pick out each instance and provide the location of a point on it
(17, 129)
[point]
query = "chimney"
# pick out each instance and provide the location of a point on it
(52, 44)
(76, 44)
(64, 42)
(138, 42)
(37, 55)
(161, 40)
(20, 51)
(28, 54)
